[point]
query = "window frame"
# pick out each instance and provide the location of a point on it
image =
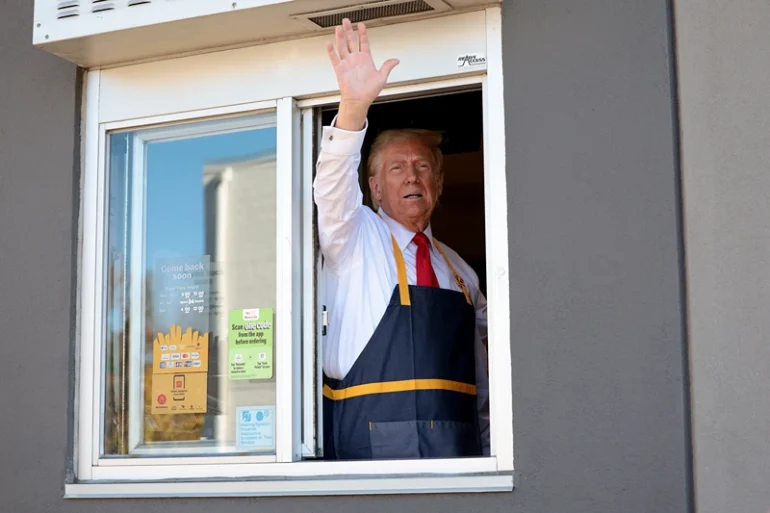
(149, 132)
(289, 475)
(153, 129)
(91, 383)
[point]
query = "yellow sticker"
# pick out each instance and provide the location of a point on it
(178, 352)
(179, 393)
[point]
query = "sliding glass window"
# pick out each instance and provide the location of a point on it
(190, 289)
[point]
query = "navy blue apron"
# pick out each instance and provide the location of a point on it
(412, 391)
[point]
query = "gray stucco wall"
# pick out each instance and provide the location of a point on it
(599, 408)
(724, 70)
(37, 169)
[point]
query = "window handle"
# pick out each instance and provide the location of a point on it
(324, 320)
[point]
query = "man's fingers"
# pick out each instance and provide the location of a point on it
(350, 36)
(342, 45)
(332, 54)
(363, 37)
(387, 67)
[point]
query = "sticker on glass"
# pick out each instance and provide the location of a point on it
(255, 428)
(251, 344)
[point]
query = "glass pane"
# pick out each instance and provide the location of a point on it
(190, 289)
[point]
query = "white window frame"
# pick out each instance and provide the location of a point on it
(137, 262)
(287, 293)
(285, 474)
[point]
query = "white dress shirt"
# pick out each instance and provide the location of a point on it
(359, 271)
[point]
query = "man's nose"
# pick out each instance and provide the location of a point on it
(412, 175)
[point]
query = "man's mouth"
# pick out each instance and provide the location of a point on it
(414, 195)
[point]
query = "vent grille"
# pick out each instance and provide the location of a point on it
(102, 5)
(367, 13)
(132, 3)
(67, 9)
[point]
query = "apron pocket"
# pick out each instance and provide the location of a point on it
(424, 439)
(391, 440)
(449, 439)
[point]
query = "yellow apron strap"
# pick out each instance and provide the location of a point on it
(459, 280)
(403, 285)
(389, 387)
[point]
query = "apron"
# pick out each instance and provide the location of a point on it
(412, 391)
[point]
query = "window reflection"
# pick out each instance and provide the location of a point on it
(191, 242)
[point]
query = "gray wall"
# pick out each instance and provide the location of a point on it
(37, 162)
(724, 70)
(599, 407)
(598, 366)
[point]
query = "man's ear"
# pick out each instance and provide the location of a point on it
(374, 186)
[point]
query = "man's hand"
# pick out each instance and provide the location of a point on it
(359, 80)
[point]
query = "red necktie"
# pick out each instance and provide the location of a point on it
(425, 275)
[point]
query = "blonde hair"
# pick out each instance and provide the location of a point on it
(431, 139)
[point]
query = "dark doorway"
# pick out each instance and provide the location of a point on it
(459, 217)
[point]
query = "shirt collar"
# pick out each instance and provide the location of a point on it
(402, 234)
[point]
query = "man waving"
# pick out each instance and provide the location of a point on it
(404, 355)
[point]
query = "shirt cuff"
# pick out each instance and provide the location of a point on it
(337, 141)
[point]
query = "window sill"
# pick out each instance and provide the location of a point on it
(320, 485)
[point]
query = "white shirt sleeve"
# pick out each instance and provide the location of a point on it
(337, 192)
(482, 368)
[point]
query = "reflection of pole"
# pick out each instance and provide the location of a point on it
(211, 183)
(120, 288)
(136, 306)
(122, 361)
(223, 359)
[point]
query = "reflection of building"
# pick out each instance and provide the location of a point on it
(240, 217)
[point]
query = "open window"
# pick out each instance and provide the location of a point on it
(459, 219)
(199, 369)
(457, 114)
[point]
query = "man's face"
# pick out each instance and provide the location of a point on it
(406, 184)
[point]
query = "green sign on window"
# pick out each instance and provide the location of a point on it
(251, 343)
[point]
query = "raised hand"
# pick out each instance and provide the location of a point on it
(359, 80)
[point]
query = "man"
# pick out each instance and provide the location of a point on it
(404, 357)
